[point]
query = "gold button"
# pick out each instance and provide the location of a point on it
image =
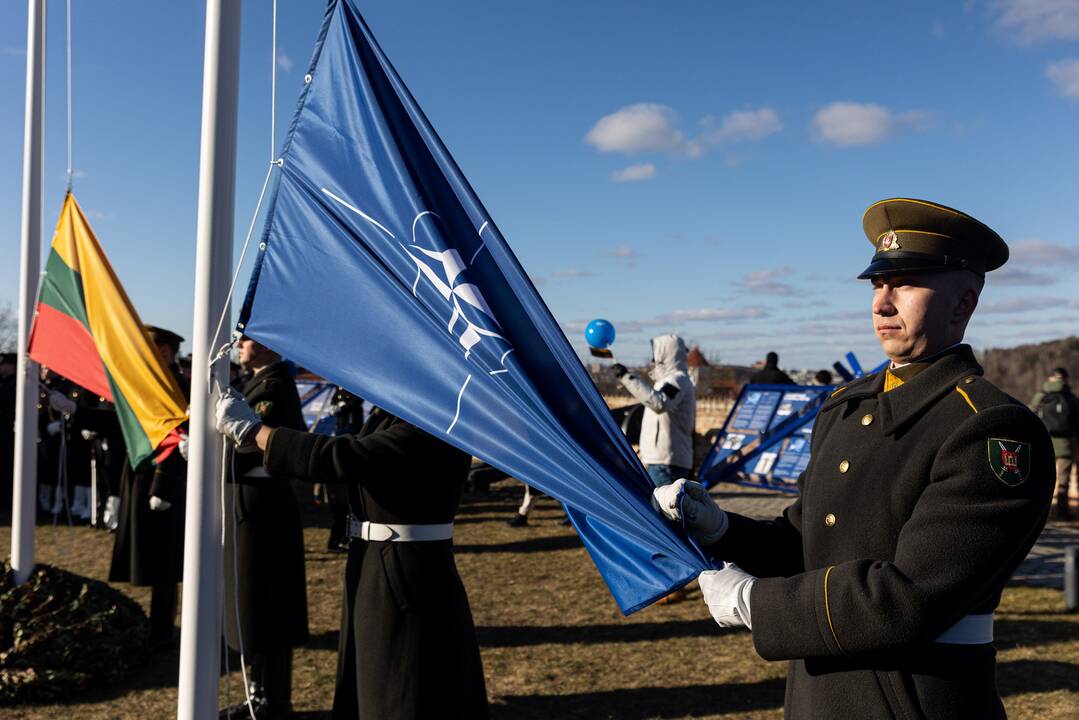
(867, 419)
(829, 520)
(968, 381)
(844, 466)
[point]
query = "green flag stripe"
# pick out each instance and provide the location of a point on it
(62, 289)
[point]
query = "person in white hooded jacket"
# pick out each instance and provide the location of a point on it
(670, 410)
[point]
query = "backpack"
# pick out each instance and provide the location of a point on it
(1055, 410)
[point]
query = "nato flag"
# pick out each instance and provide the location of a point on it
(380, 270)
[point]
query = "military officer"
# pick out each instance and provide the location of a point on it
(265, 579)
(149, 546)
(407, 648)
(927, 487)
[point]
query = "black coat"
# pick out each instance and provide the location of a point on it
(264, 533)
(408, 646)
(770, 375)
(149, 545)
(908, 521)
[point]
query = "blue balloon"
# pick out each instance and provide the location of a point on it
(599, 334)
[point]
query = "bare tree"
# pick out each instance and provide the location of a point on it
(9, 329)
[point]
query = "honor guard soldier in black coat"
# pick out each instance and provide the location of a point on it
(149, 547)
(265, 580)
(408, 648)
(926, 488)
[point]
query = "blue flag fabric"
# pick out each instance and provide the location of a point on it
(381, 271)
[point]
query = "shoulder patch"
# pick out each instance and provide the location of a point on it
(263, 407)
(1009, 460)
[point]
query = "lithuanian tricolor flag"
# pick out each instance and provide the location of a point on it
(87, 330)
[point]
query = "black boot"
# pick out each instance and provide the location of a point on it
(518, 520)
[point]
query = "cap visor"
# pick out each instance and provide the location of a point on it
(900, 266)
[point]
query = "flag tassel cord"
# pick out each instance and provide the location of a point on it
(226, 348)
(70, 166)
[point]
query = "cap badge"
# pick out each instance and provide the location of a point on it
(889, 241)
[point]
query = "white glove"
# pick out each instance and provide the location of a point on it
(61, 403)
(53, 428)
(88, 434)
(726, 593)
(182, 445)
(158, 504)
(704, 519)
(235, 418)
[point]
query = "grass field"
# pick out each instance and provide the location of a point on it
(554, 644)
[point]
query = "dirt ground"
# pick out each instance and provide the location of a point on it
(555, 645)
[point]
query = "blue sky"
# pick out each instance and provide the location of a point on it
(695, 167)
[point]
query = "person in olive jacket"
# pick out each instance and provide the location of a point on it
(408, 647)
(926, 488)
(265, 579)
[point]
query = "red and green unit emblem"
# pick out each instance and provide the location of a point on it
(1009, 460)
(87, 330)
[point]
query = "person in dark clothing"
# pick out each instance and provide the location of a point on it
(926, 489)
(347, 412)
(770, 374)
(149, 546)
(408, 647)
(265, 580)
(7, 427)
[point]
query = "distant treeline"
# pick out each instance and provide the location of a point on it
(1020, 371)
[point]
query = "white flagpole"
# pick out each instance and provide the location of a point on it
(24, 475)
(200, 625)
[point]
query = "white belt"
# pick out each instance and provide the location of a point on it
(379, 532)
(257, 472)
(970, 630)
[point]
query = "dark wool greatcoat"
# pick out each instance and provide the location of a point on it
(265, 580)
(149, 546)
(408, 646)
(910, 518)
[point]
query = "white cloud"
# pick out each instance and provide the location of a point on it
(764, 282)
(644, 127)
(1040, 252)
(937, 28)
(572, 273)
(1012, 274)
(623, 252)
(846, 124)
(1064, 75)
(745, 125)
(709, 314)
(1022, 305)
(635, 173)
(649, 127)
(1033, 21)
(284, 62)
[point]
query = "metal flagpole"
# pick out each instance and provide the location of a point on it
(24, 477)
(200, 637)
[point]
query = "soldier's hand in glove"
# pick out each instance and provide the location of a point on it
(726, 593)
(158, 504)
(182, 446)
(620, 370)
(61, 403)
(688, 500)
(236, 420)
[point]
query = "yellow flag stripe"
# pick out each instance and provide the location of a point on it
(135, 367)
